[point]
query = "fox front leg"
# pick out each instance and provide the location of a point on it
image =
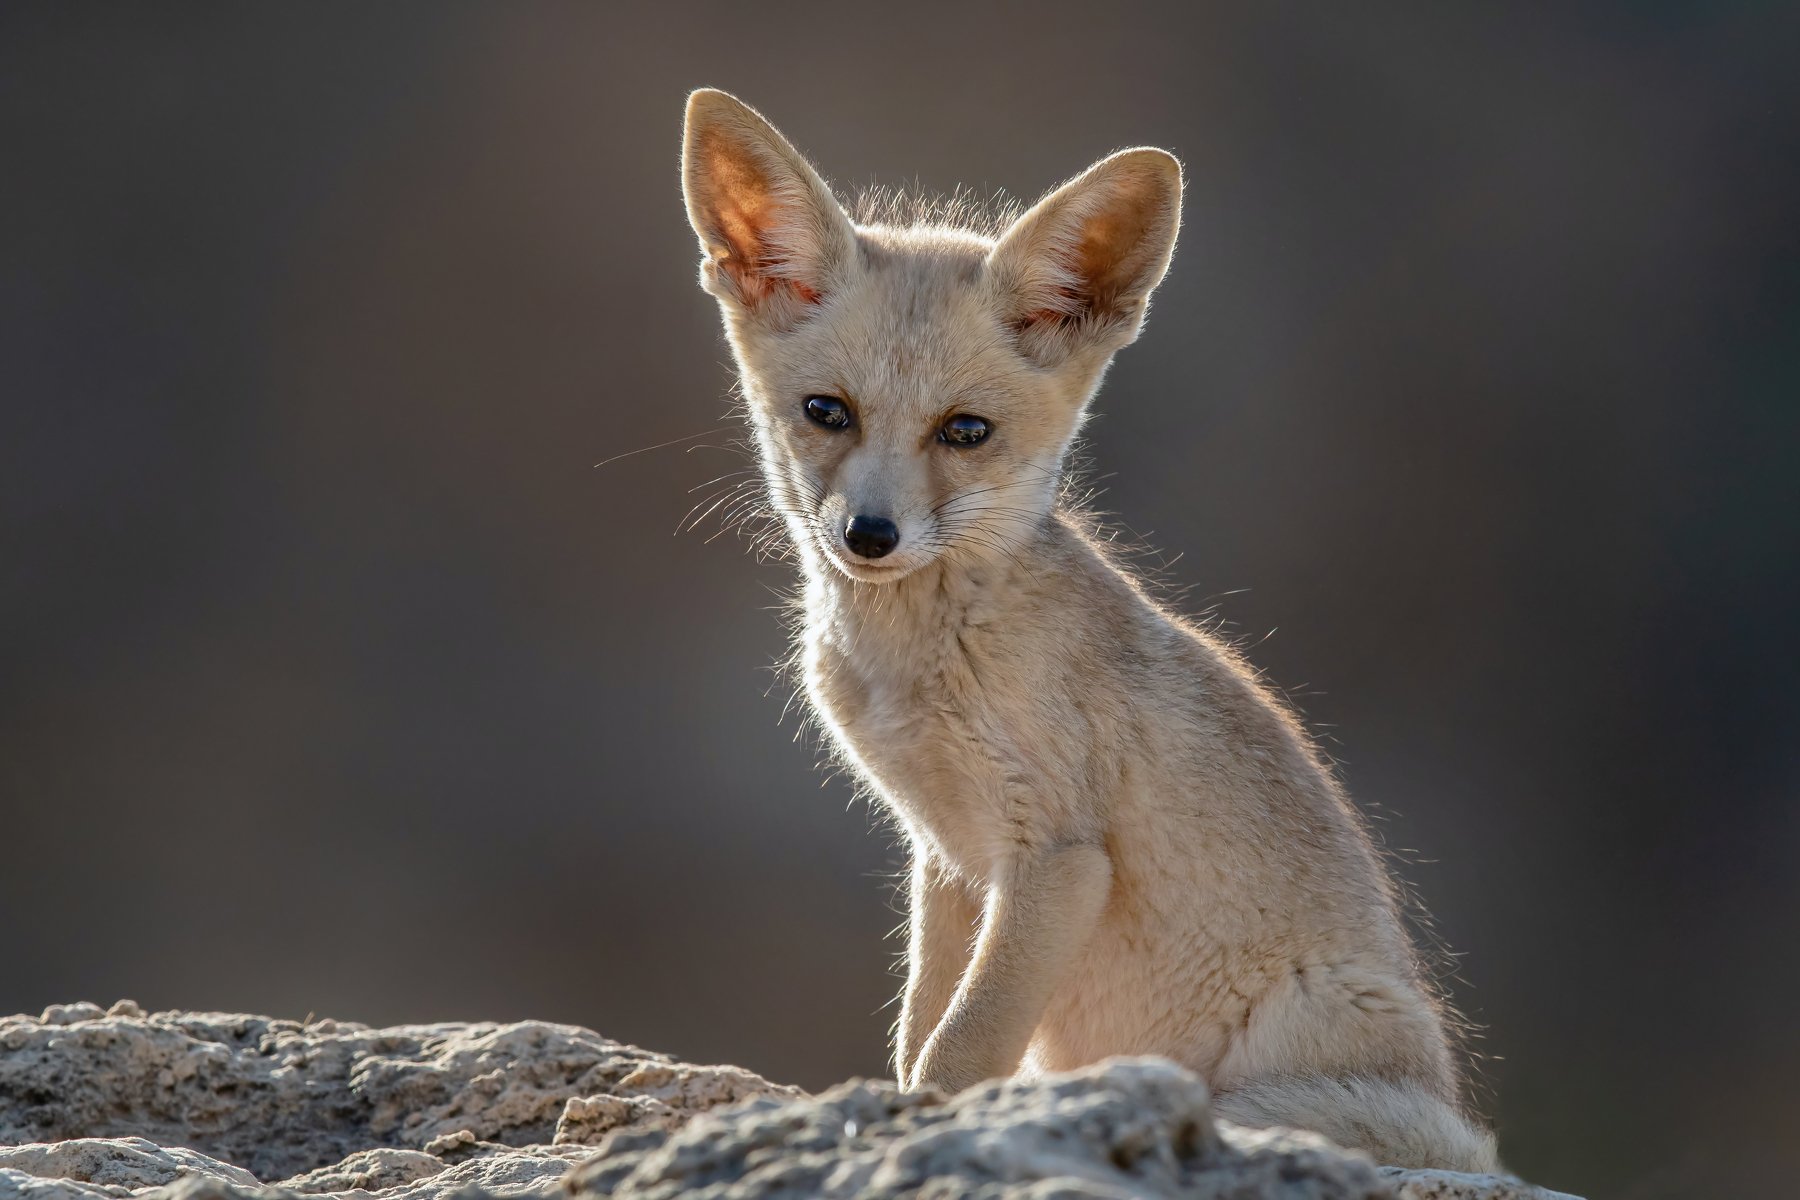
(942, 917)
(1040, 912)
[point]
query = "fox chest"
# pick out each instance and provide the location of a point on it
(973, 759)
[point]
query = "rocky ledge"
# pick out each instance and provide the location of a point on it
(211, 1106)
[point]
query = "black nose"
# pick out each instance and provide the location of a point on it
(871, 537)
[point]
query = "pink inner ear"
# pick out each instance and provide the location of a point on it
(1075, 305)
(1105, 257)
(749, 262)
(755, 285)
(1110, 253)
(1045, 316)
(745, 210)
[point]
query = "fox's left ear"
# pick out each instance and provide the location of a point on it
(1077, 270)
(775, 240)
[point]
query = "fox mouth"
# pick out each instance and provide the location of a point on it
(869, 570)
(864, 571)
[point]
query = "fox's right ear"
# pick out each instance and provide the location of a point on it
(775, 240)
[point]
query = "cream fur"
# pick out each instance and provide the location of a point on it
(1121, 842)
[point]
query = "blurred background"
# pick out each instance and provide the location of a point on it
(335, 678)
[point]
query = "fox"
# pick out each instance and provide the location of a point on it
(1120, 841)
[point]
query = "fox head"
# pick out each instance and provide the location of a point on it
(913, 390)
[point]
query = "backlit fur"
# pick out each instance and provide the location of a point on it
(1121, 843)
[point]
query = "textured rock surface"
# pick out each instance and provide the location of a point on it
(325, 1106)
(1124, 1129)
(207, 1106)
(116, 1166)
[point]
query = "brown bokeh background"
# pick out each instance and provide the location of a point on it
(335, 678)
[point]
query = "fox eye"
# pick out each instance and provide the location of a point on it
(828, 411)
(964, 430)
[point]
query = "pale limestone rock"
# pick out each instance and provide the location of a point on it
(283, 1098)
(1128, 1128)
(1453, 1185)
(109, 1166)
(370, 1171)
(662, 1096)
(117, 1104)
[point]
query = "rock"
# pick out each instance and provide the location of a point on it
(370, 1171)
(69, 1014)
(287, 1100)
(206, 1106)
(663, 1096)
(1127, 1128)
(282, 1098)
(1453, 1185)
(112, 1166)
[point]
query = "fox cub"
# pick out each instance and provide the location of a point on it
(1120, 842)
